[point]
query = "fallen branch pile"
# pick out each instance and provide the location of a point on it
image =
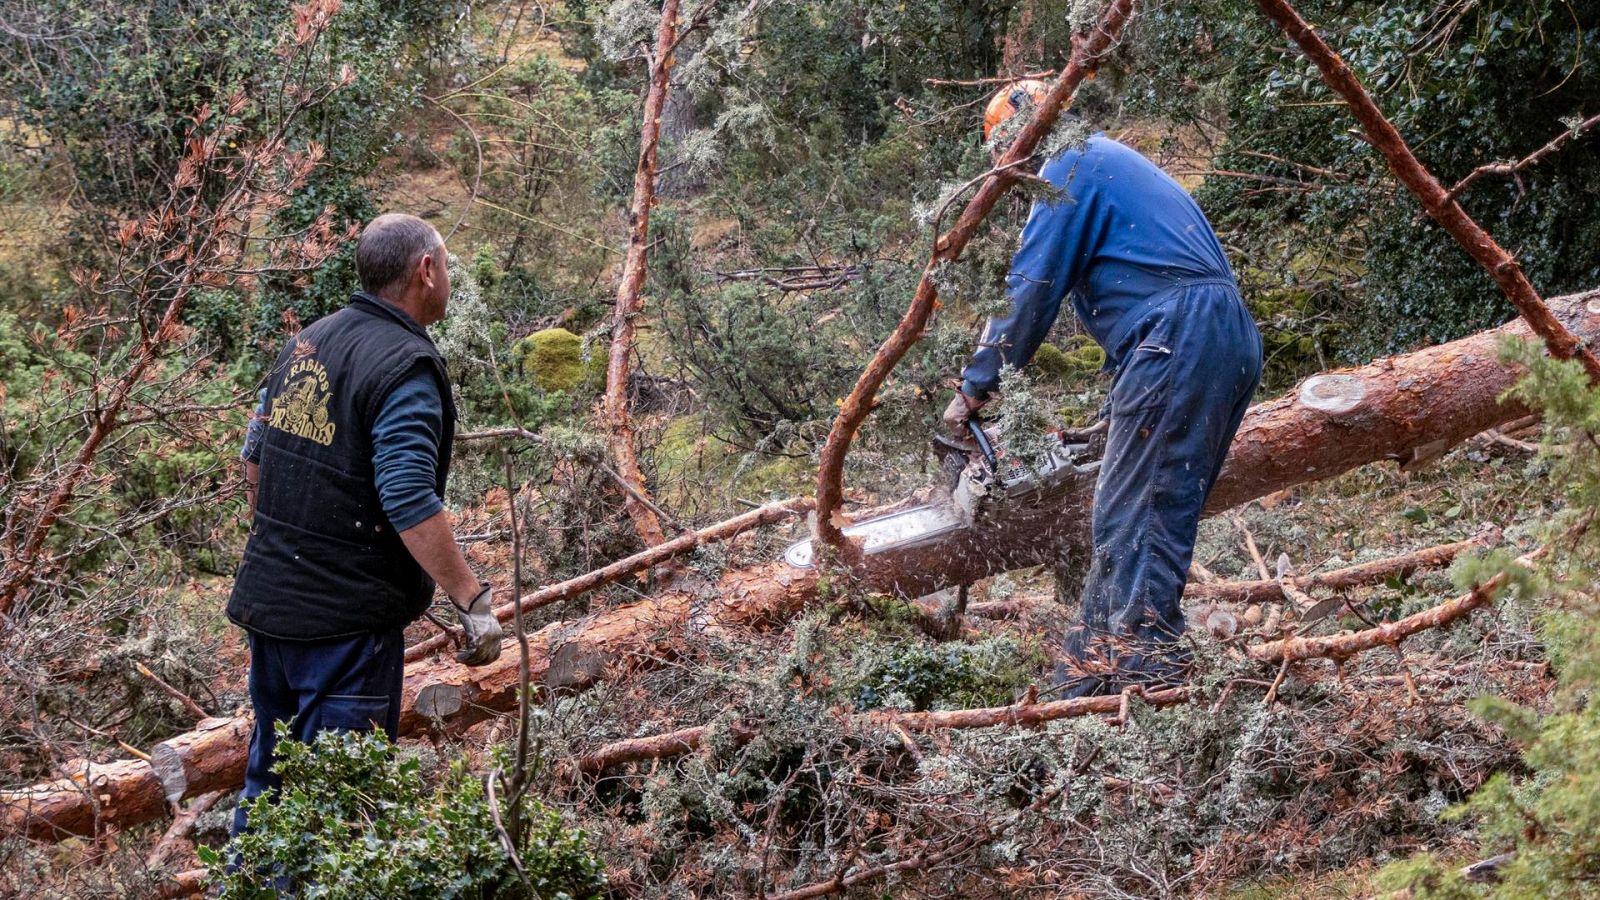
(1398, 408)
(1338, 647)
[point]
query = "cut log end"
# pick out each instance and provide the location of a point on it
(438, 701)
(169, 768)
(1333, 394)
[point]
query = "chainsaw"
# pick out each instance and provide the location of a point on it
(978, 481)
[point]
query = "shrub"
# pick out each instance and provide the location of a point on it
(553, 358)
(355, 819)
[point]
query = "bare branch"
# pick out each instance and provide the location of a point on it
(1439, 203)
(619, 367)
(1532, 159)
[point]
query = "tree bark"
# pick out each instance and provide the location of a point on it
(1346, 644)
(629, 301)
(1086, 52)
(1366, 573)
(1402, 408)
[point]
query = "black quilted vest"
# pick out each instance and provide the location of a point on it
(322, 560)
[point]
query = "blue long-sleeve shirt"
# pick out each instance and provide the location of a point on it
(1119, 240)
(405, 442)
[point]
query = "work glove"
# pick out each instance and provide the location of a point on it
(480, 628)
(961, 409)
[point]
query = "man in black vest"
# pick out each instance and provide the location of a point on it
(346, 460)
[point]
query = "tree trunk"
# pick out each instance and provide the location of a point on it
(1408, 408)
(629, 292)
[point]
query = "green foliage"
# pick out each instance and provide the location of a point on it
(117, 98)
(1425, 875)
(155, 477)
(560, 149)
(554, 358)
(1051, 363)
(487, 365)
(953, 675)
(764, 362)
(355, 819)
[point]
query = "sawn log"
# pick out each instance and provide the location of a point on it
(1407, 408)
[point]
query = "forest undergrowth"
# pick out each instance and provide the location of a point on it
(183, 180)
(1338, 774)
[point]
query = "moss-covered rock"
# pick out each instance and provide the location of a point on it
(1051, 363)
(554, 359)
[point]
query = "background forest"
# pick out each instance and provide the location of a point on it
(179, 185)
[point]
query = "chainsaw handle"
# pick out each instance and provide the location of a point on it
(987, 449)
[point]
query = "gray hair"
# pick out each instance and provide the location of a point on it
(390, 246)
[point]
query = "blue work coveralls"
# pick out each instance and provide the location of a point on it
(1151, 284)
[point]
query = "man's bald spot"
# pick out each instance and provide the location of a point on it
(389, 248)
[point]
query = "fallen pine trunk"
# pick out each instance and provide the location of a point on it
(1408, 408)
(770, 514)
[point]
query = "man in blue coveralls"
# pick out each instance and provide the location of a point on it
(1149, 281)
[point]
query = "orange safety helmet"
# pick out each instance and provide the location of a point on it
(1010, 100)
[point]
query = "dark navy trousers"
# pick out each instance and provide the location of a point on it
(342, 684)
(1176, 402)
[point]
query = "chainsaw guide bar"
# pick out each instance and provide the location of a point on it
(983, 483)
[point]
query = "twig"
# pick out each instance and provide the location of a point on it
(1250, 545)
(500, 828)
(1515, 168)
(477, 175)
(980, 82)
(1365, 573)
(178, 832)
(524, 688)
(1272, 692)
(1412, 696)
(1487, 871)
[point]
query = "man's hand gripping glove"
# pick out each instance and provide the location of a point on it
(480, 629)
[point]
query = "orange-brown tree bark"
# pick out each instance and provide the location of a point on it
(771, 514)
(1338, 579)
(619, 423)
(1087, 51)
(1403, 408)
